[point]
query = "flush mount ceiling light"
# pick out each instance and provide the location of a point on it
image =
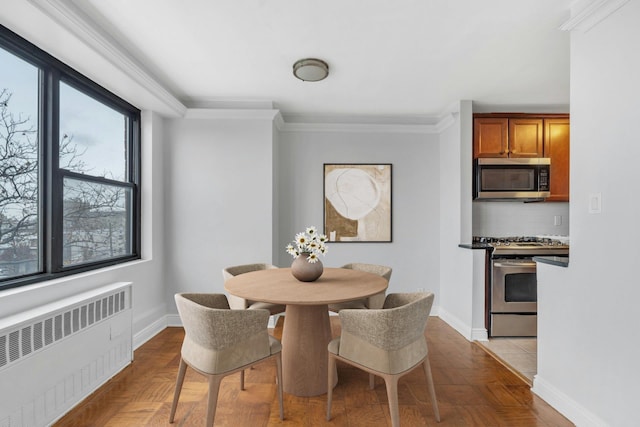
(310, 69)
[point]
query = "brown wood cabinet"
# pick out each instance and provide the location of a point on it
(527, 135)
(490, 137)
(525, 138)
(505, 137)
(556, 147)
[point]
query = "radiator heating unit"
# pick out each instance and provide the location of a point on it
(54, 356)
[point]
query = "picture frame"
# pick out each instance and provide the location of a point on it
(357, 202)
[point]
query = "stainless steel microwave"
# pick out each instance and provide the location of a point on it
(509, 178)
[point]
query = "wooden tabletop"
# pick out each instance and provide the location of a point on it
(280, 287)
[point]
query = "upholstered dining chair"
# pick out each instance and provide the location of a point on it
(388, 342)
(374, 301)
(241, 303)
(219, 341)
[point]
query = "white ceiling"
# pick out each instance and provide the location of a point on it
(387, 58)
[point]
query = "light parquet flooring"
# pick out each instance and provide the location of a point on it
(473, 389)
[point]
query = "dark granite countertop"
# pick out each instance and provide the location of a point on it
(475, 246)
(560, 261)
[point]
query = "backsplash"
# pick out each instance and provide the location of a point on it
(501, 219)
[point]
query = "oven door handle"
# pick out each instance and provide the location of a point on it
(514, 264)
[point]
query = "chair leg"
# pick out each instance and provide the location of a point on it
(372, 381)
(176, 394)
(432, 389)
(391, 381)
(242, 380)
(214, 388)
(331, 368)
(279, 381)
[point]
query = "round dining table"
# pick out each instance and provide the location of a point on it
(307, 330)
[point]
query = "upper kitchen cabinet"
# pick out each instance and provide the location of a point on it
(507, 137)
(527, 135)
(490, 137)
(525, 138)
(556, 147)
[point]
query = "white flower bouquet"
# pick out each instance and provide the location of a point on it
(308, 242)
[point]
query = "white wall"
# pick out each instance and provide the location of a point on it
(588, 313)
(461, 270)
(500, 219)
(414, 253)
(218, 200)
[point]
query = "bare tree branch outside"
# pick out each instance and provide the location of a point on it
(69, 169)
(95, 224)
(19, 229)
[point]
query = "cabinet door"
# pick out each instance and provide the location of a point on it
(490, 137)
(556, 147)
(525, 138)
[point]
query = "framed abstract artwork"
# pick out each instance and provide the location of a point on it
(357, 202)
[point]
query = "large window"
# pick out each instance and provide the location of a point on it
(69, 169)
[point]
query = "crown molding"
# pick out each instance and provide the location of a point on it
(262, 109)
(229, 103)
(358, 128)
(278, 121)
(259, 109)
(589, 13)
(231, 114)
(230, 108)
(446, 121)
(295, 122)
(71, 18)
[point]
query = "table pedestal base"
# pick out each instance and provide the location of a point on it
(305, 336)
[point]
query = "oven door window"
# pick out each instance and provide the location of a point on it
(520, 287)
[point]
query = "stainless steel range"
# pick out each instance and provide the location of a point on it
(512, 293)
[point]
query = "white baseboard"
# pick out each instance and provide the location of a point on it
(576, 413)
(471, 334)
(479, 334)
(457, 324)
(173, 320)
(149, 332)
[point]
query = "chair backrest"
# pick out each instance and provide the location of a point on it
(389, 340)
(374, 301)
(380, 270)
(218, 339)
(235, 270)
(238, 303)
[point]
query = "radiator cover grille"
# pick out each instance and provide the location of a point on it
(33, 337)
(56, 354)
